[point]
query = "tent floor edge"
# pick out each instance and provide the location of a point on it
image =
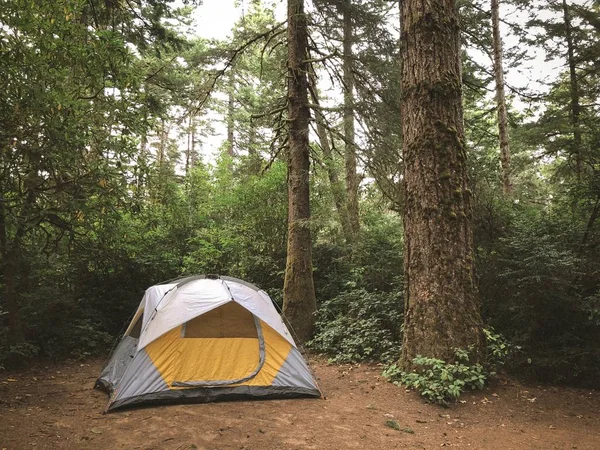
(209, 395)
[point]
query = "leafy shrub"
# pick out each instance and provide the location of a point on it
(17, 353)
(538, 288)
(443, 382)
(438, 381)
(359, 325)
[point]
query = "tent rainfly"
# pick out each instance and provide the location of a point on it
(203, 339)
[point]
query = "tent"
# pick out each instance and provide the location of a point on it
(202, 339)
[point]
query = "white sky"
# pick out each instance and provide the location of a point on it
(215, 19)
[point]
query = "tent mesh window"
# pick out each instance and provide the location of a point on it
(137, 328)
(228, 321)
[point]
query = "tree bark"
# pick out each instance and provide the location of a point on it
(230, 112)
(501, 99)
(337, 187)
(574, 90)
(142, 163)
(442, 310)
(162, 155)
(194, 155)
(299, 303)
(188, 152)
(162, 145)
(349, 134)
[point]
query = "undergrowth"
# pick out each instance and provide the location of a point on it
(443, 382)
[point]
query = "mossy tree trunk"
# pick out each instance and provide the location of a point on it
(299, 303)
(349, 132)
(442, 310)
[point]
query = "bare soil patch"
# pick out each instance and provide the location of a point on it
(55, 407)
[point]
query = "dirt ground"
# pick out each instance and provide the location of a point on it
(55, 407)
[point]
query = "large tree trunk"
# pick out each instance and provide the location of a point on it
(501, 99)
(574, 88)
(349, 135)
(442, 310)
(299, 303)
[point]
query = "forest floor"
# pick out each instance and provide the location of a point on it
(55, 407)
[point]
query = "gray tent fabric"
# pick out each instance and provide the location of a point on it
(141, 377)
(132, 375)
(209, 395)
(294, 372)
(114, 370)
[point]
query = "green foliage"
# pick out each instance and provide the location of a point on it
(359, 325)
(17, 353)
(538, 289)
(498, 349)
(443, 382)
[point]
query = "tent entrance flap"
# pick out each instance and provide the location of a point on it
(231, 338)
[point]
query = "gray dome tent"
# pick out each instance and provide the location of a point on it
(204, 339)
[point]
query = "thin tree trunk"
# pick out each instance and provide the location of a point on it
(574, 88)
(230, 112)
(501, 99)
(193, 154)
(337, 188)
(442, 310)
(299, 303)
(188, 152)
(349, 135)
(163, 144)
(142, 164)
(253, 155)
